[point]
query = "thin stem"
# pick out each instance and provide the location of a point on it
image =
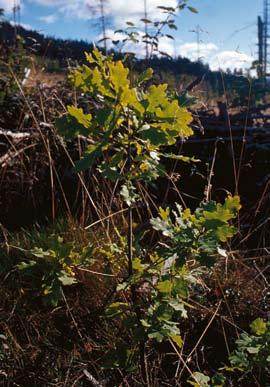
(130, 241)
(134, 299)
(130, 216)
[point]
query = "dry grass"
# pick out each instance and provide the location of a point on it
(53, 346)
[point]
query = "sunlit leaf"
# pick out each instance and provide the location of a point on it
(258, 327)
(177, 340)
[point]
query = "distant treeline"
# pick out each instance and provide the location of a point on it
(45, 46)
(70, 51)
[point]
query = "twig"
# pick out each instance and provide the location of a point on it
(71, 315)
(202, 336)
(96, 272)
(15, 136)
(9, 156)
(105, 218)
(92, 380)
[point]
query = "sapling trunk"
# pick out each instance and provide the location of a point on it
(134, 299)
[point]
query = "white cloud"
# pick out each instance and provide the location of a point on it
(208, 52)
(49, 19)
(217, 59)
(119, 10)
(230, 60)
(8, 5)
(24, 25)
(54, 3)
(133, 11)
(193, 50)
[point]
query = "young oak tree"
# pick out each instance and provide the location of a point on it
(157, 26)
(130, 127)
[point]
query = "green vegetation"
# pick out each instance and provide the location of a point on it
(128, 281)
(253, 350)
(128, 129)
(251, 357)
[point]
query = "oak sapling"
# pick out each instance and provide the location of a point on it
(129, 129)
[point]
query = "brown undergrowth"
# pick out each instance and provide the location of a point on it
(43, 345)
(52, 346)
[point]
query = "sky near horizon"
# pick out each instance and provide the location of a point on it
(228, 32)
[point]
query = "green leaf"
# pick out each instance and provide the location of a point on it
(69, 128)
(218, 380)
(165, 286)
(40, 253)
(185, 159)
(145, 76)
(172, 26)
(169, 36)
(118, 76)
(137, 265)
(232, 203)
(128, 194)
(258, 327)
(26, 265)
(177, 340)
(225, 232)
(180, 287)
(162, 225)
(66, 279)
(147, 21)
(75, 123)
(116, 308)
(78, 114)
(193, 10)
(156, 335)
(253, 350)
(155, 136)
(110, 172)
(167, 9)
(122, 286)
(164, 312)
(178, 306)
(88, 158)
(201, 380)
(89, 58)
(164, 214)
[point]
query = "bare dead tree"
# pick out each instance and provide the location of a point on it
(145, 20)
(99, 8)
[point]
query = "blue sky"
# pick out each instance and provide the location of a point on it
(228, 27)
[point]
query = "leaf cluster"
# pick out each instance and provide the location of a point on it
(201, 380)
(197, 236)
(52, 268)
(252, 353)
(164, 275)
(253, 350)
(130, 121)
